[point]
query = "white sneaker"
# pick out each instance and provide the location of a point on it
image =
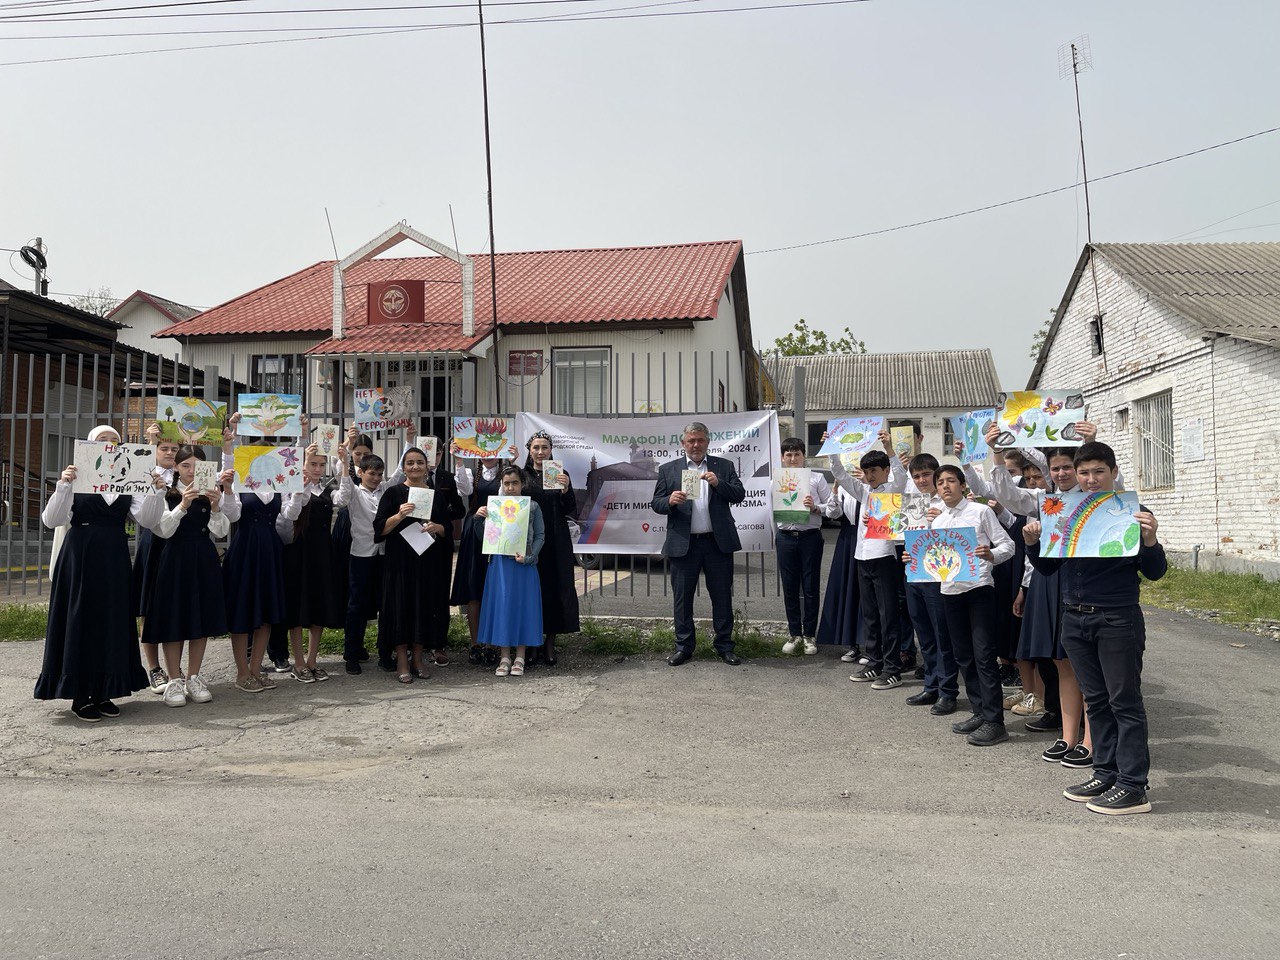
(175, 693)
(810, 646)
(790, 645)
(850, 656)
(197, 689)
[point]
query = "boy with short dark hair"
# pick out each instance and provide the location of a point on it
(879, 570)
(799, 547)
(1104, 634)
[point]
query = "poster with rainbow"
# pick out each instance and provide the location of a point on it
(1080, 524)
(943, 555)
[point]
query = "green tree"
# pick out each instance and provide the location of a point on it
(1037, 342)
(805, 341)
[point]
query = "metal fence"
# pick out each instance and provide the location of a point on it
(50, 400)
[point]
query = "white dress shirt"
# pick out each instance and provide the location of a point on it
(983, 520)
(146, 511)
(362, 507)
(700, 521)
(219, 522)
(896, 482)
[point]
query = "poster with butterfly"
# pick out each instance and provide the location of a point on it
(260, 469)
(383, 408)
(1040, 418)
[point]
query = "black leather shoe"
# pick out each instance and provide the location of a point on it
(944, 706)
(731, 658)
(968, 726)
(924, 698)
(988, 735)
(364, 656)
(679, 657)
(354, 668)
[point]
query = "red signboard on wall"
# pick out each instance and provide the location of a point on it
(524, 363)
(397, 301)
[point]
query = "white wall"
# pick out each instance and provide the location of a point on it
(1229, 502)
(142, 321)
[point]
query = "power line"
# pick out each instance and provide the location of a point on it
(90, 16)
(551, 18)
(1223, 220)
(1007, 203)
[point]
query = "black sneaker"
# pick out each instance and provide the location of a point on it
(108, 709)
(1045, 723)
(354, 668)
(89, 713)
(1010, 678)
(968, 726)
(1056, 752)
(387, 665)
(988, 735)
(475, 654)
(866, 675)
(1089, 790)
(157, 679)
(925, 698)
(282, 666)
(909, 663)
(1077, 756)
(919, 674)
(1121, 800)
(887, 682)
(944, 706)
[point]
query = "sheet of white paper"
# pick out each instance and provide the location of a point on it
(417, 538)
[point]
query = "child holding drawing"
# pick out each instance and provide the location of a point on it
(473, 567)
(510, 611)
(557, 503)
(799, 547)
(147, 562)
(310, 601)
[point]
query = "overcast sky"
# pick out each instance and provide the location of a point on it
(198, 175)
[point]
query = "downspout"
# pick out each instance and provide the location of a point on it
(1213, 410)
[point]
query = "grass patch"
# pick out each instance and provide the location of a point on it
(22, 621)
(1239, 597)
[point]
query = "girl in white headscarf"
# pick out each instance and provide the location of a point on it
(91, 640)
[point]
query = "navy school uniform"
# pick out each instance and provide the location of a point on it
(188, 601)
(555, 563)
(473, 565)
(841, 623)
(310, 599)
(253, 569)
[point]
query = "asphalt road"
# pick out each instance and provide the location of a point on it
(632, 810)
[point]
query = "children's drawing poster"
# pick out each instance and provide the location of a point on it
(915, 511)
(552, 471)
(790, 487)
(423, 499)
(971, 430)
(191, 420)
(327, 438)
(269, 415)
(904, 440)
(691, 483)
(1039, 418)
(268, 469)
(851, 435)
(882, 516)
(1080, 524)
(506, 526)
(941, 556)
(114, 468)
(484, 438)
(206, 476)
(383, 408)
(428, 446)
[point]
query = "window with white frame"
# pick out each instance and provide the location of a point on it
(1153, 428)
(580, 380)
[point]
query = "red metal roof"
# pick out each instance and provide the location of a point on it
(677, 282)
(402, 338)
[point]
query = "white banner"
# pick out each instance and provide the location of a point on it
(613, 464)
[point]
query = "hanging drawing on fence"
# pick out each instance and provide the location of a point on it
(940, 556)
(192, 420)
(506, 526)
(383, 408)
(971, 430)
(484, 438)
(262, 469)
(113, 468)
(851, 435)
(269, 415)
(1078, 524)
(1040, 418)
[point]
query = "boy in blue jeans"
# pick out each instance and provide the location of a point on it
(1104, 635)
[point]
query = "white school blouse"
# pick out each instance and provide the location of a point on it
(220, 520)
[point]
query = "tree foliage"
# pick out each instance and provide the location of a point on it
(1037, 342)
(98, 301)
(805, 341)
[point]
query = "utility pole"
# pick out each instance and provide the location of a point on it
(493, 250)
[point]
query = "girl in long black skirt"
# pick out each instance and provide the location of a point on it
(415, 593)
(147, 561)
(188, 606)
(91, 639)
(472, 567)
(253, 584)
(555, 564)
(840, 624)
(310, 600)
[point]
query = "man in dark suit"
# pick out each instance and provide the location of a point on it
(701, 538)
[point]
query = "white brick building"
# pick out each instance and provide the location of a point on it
(1182, 376)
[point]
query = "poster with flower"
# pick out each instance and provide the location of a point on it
(506, 526)
(269, 415)
(267, 469)
(1078, 524)
(192, 420)
(790, 487)
(941, 556)
(484, 438)
(1039, 418)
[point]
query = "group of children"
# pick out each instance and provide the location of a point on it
(345, 549)
(1064, 636)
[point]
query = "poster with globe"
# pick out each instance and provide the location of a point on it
(851, 436)
(383, 408)
(192, 420)
(941, 556)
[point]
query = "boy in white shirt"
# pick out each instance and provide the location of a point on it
(799, 547)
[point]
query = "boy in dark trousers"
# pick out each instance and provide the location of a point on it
(1104, 635)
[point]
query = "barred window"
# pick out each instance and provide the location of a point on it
(1153, 425)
